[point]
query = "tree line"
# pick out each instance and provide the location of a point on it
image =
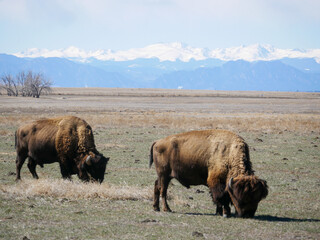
(26, 84)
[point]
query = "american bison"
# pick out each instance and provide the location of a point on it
(218, 159)
(67, 140)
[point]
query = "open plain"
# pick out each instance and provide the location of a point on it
(282, 130)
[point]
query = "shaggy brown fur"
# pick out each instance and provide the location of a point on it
(211, 158)
(67, 140)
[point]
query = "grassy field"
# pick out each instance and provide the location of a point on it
(282, 130)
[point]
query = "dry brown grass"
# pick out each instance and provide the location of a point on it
(186, 109)
(59, 188)
(303, 123)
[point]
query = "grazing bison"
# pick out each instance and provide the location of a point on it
(218, 159)
(67, 140)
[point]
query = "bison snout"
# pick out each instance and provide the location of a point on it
(246, 214)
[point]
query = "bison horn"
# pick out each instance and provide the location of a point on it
(89, 161)
(230, 183)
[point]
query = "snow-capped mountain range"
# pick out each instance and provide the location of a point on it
(176, 51)
(259, 67)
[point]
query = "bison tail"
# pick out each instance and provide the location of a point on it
(151, 155)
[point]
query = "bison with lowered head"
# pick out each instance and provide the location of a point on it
(218, 159)
(67, 140)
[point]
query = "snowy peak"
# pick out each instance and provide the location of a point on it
(70, 52)
(176, 51)
(164, 52)
(248, 53)
(263, 52)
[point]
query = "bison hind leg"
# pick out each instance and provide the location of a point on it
(164, 183)
(156, 196)
(19, 162)
(160, 189)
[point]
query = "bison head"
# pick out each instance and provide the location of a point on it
(246, 192)
(93, 167)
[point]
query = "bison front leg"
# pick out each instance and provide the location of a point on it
(65, 171)
(32, 168)
(219, 209)
(222, 200)
(226, 202)
(219, 196)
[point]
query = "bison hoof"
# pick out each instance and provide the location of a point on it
(226, 215)
(157, 209)
(167, 210)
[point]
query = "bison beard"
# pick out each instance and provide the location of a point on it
(67, 140)
(218, 159)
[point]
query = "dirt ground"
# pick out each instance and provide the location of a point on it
(211, 102)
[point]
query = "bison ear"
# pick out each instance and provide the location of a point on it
(88, 161)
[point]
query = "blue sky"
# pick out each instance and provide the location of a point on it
(125, 24)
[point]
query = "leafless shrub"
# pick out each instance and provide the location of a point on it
(10, 84)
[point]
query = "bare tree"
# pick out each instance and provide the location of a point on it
(10, 85)
(27, 84)
(38, 84)
(24, 86)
